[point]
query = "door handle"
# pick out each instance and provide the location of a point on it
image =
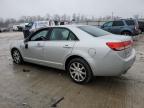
(67, 46)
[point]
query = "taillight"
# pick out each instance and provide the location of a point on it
(118, 46)
(135, 27)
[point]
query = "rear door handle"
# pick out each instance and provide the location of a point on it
(121, 27)
(67, 46)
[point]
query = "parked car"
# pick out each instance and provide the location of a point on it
(4, 29)
(83, 51)
(141, 25)
(123, 27)
(35, 25)
(15, 28)
(22, 26)
(19, 27)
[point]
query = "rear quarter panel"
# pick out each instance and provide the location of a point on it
(91, 50)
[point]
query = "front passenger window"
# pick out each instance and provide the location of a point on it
(40, 36)
(109, 24)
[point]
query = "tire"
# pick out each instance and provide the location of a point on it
(126, 33)
(17, 58)
(79, 71)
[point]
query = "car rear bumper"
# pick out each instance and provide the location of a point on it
(113, 65)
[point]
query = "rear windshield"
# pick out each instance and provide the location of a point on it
(94, 31)
(130, 22)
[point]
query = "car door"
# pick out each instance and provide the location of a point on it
(33, 49)
(108, 26)
(60, 44)
(117, 27)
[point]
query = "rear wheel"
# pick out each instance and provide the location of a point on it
(126, 33)
(17, 58)
(79, 71)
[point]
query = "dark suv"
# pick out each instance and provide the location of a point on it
(123, 27)
(141, 25)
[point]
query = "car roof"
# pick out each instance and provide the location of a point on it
(124, 19)
(64, 26)
(74, 28)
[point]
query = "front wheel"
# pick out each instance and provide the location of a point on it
(79, 71)
(17, 58)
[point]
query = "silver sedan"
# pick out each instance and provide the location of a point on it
(83, 51)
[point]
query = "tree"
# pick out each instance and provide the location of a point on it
(64, 17)
(74, 17)
(136, 16)
(48, 17)
(1, 22)
(56, 17)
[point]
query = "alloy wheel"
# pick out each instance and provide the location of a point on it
(16, 56)
(77, 71)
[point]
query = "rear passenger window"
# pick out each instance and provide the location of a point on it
(118, 23)
(59, 34)
(72, 36)
(62, 34)
(65, 34)
(130, 22)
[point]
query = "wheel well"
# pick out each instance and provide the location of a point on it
(72, 57)
(126, 31)
(14, 49)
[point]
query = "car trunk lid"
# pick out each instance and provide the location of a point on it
(122, 45)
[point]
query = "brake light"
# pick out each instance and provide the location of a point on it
(118, 46)
(135, 28)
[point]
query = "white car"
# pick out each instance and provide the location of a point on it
(83, 51)
(35, 25)
(15, 27)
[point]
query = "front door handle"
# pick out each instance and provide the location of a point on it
(67, 46)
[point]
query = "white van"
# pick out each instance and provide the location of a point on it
(33, 26)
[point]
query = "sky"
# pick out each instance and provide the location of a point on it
(97, 8)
